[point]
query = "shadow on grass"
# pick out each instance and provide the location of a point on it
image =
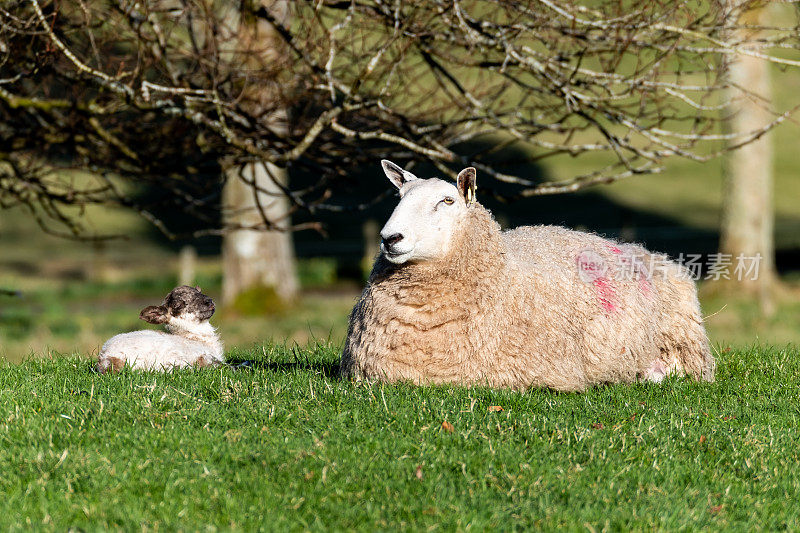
(328, 369)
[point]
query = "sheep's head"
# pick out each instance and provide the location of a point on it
(422, 225)
(182, 303)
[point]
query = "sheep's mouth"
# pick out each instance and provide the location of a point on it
(393, 255)
(397, 257)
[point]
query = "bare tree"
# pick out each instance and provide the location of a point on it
(252, 258)
(748, 215)
(155, 93)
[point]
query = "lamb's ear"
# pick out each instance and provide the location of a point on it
(466, 184)
(397, 175)
(154, 314)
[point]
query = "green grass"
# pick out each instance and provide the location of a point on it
(737, 320)
(283, 445)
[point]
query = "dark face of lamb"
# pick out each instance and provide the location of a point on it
(189, 300)
(181, 302)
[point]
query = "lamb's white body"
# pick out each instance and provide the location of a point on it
(158, 350)
(191, 340)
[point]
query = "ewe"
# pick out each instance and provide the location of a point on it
(191, 341)
(453, 299)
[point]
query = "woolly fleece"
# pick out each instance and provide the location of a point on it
(510, 309)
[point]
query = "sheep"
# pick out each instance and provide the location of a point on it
(453, 299)
(191, 341)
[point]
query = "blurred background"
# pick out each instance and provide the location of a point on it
(154, 224)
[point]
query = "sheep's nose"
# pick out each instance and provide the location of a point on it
(392, 239)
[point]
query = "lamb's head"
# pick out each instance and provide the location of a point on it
(183, 305)
(427, 217)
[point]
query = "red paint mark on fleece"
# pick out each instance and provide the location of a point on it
(605, 294)
(615, 250)
(644, 287)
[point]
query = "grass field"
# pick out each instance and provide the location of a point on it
(283, 445)
(279, 443)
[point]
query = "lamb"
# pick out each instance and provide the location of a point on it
(453, 299)
(191, 341)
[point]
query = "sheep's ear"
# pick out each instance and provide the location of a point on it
(466, 184)
(154, 314)
(397, 175)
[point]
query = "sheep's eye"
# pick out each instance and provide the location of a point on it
(448, 200)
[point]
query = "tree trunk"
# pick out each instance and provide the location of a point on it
(747, 208)
(259, 258)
